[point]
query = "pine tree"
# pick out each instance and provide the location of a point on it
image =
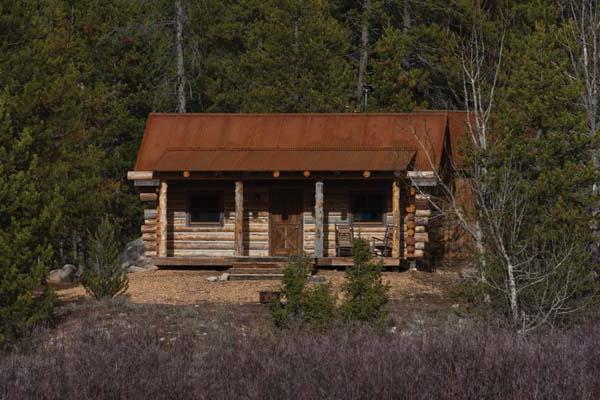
(294, 59)
(104, 277)
(26, 220)
(364, 292)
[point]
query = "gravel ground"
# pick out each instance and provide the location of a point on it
(187, 287)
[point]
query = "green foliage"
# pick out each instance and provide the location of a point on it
(365, 294)
(304, 306)
(294, 59)
(104, 277)
(25, 220)
(79, 78)
(417, 69)
(319, 306)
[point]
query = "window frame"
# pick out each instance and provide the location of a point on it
(188, 207)
(351, 196)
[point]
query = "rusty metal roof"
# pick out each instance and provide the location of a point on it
(295, 142)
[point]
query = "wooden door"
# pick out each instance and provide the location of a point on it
(286, 222)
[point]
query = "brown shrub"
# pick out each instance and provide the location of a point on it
(450, 363)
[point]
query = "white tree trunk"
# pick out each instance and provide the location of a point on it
(512, 292)
(406, 20)
(479, 246)
(364, 49)
(179, 22)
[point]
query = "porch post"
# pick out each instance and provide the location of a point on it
(397, 229)
(162, 220)
(319, 219)
(239, 218)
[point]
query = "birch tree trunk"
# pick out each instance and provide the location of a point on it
(406, 19)
(478, 237)
(584, 59)
(584, 54)
(179, 22)
(364, 49)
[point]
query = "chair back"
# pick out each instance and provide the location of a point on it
(344, 234)
(388, 236)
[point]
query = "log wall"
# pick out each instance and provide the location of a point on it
(336, 206)
(184, 239)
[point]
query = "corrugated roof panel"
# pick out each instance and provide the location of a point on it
(283, 160)
(213, 142)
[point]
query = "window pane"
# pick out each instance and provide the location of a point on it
(206, 207)
(367, 207)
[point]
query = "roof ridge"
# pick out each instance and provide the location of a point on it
(180, 148)
(307, 114)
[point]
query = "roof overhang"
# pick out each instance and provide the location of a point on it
(283, 160)
(294, 142)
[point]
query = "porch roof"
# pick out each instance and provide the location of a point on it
(297, 142)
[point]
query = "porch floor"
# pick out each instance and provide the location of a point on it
(199, 261)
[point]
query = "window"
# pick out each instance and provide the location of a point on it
(367, 206)
(205, 208)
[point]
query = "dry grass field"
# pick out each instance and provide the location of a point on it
(188, 287)
(176, 335)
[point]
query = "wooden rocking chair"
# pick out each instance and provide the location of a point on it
(383, 246)
(344, 235)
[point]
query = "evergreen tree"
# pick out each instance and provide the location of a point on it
(26, 222)
(104, 277)
(364, 292)
(294, 59)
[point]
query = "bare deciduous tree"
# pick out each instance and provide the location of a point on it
(181, 82)
(537, 280)
(583, 42)
(583, 50)
(364, 49)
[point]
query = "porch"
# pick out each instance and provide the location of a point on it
(224, 221)
(223, 261)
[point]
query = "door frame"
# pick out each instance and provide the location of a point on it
(272, 192)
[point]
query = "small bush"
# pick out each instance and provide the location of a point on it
(365, 293)
(304, 306)
(319, 306)
(104, 277)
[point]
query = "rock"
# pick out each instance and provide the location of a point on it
(317, 279)
(212, 278)
(135, 268)
(224, 277)
(134, 255)
(65, 274)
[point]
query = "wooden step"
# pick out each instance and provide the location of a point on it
(251, 277)
(239, 270)
(257, 265)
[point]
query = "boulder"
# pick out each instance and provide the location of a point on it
(317, 279)
(133, 268)
(224, 277)
(65, 274)
(134, 255)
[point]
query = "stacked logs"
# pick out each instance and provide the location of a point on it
(147, 188)
(409, 225)
(416, 221)
(422, 216)
(150, 227)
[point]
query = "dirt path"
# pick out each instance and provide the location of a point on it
(186, 287)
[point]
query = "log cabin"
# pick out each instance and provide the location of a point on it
(224, 189)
